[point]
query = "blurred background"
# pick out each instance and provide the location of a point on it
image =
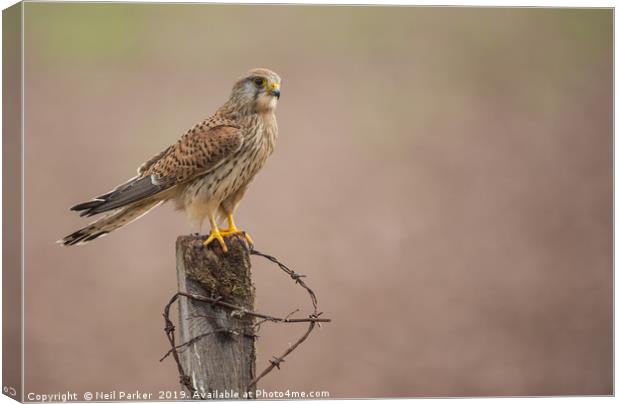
(443, 177)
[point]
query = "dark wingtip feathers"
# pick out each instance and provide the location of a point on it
(132, 191)
(87, 208)
(86, 205)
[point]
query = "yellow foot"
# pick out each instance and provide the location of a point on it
(233, 231)
(216, 235)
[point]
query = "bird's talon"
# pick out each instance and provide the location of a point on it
(228, 233)
(216, 235)
(248, 239)
(232, 230)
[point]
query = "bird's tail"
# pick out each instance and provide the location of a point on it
(112, 221)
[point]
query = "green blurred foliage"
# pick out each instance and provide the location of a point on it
(533, 58)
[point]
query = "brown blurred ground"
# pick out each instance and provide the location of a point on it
(443, 176)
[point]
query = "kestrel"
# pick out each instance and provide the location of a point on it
(205, 173)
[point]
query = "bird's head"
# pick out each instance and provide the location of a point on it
(257, 91)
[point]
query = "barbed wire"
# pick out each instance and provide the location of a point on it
(184, 379)
(313, 319)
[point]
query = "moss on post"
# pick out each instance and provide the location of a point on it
(223, 359)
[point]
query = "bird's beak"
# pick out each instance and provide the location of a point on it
(274, 89)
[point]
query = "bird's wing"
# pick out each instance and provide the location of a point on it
(198, 152)
(147, 164)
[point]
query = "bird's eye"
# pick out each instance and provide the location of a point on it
(259, 81)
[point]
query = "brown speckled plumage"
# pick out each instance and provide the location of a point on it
(206, 172)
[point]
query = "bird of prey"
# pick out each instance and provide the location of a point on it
(205, 173)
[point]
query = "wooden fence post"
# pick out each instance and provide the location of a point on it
(223, 361)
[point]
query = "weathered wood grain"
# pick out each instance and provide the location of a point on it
(224, 360)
